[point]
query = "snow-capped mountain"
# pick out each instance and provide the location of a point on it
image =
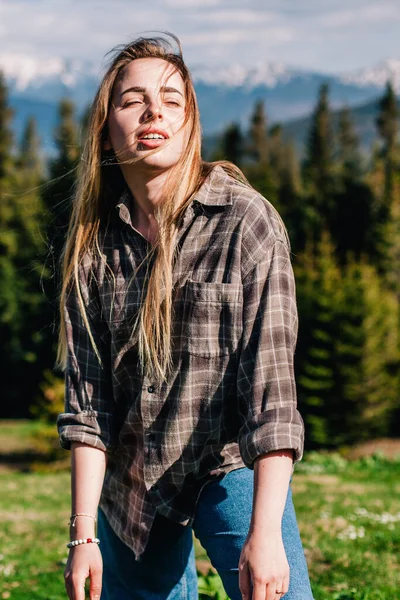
(268, 74)
(50, 79)
(25, 73)
(388, 70)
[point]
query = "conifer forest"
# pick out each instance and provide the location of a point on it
(341, 207)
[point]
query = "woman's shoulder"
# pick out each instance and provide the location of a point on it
(260, 221)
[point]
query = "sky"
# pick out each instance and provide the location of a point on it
(329, 36)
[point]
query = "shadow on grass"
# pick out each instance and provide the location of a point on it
(28, 461)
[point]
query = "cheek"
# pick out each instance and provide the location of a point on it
(120, 129)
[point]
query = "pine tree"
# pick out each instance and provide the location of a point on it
(319, 162)
(30, 159)
(387, 124)
(6, 136)
(347, 357)
(368, 352)
(232, 144)
(11, 284)
(385, 178)
(258, 135)
(8, 242)
(256, 159)
(291, 200)
(351, 223)
(277, 149)
(318, 285)
(349, 157)
(58, 194)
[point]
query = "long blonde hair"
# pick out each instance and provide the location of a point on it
(99, 184)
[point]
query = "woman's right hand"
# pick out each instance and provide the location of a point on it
(84, 561)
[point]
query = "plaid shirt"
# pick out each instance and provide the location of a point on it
(232, 395)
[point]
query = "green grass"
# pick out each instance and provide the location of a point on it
(348, 514)
(349, 519)
(15, 435)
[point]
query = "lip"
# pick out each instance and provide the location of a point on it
(152, 130)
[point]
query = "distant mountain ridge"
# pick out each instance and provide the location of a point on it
(225, 94)
(26, 73)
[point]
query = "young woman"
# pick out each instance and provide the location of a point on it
(178, 331)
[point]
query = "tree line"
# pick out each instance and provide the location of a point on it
(342, 212)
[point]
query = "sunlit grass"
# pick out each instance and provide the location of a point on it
(348, 514)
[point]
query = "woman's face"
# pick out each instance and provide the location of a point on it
(147, 112)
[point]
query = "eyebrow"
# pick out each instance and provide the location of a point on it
(142, 90)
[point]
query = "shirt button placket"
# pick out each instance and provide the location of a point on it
(150, 466)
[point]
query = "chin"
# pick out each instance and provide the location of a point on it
(160, 162)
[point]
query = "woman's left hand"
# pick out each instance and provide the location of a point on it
(263, 567)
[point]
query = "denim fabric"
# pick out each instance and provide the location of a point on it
(166, 570)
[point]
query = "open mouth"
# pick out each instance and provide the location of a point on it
(153, 136)
(151, 139)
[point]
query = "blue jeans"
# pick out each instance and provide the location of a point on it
(167, 571)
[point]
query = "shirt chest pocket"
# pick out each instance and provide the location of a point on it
(211, 318)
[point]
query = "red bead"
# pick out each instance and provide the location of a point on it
(89, 540)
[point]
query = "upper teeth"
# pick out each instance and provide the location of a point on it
(153, 136)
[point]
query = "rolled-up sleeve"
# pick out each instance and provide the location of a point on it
(266, 383)
(89, 404)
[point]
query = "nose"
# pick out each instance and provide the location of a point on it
(153, 111)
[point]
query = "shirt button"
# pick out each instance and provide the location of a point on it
(150, 389)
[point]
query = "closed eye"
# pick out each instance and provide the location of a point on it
(131, 102)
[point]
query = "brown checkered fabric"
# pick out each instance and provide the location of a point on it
(232, 395)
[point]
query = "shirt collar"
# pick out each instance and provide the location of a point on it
(214, 191)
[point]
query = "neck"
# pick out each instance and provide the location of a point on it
(147, 190)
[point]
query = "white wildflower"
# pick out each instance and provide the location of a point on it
(352, 533)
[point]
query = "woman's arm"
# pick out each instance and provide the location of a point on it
(88, 465)
(86, 428)
(272, 436)
(263, 564)
(271, 482)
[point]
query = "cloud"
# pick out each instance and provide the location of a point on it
(191, 3)
(333, 35)
(372, 14)
(241, 16)
(224, 37)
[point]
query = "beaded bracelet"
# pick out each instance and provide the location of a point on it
(83, 541)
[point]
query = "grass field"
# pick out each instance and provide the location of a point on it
(348, 514)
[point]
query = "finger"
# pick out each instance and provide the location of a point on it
(244, 582)
(271, 591)
(68, 585)
(78, 587)
(68, 590)
(95, 584)
(259, 589)
(285, 586)
(280, 590)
